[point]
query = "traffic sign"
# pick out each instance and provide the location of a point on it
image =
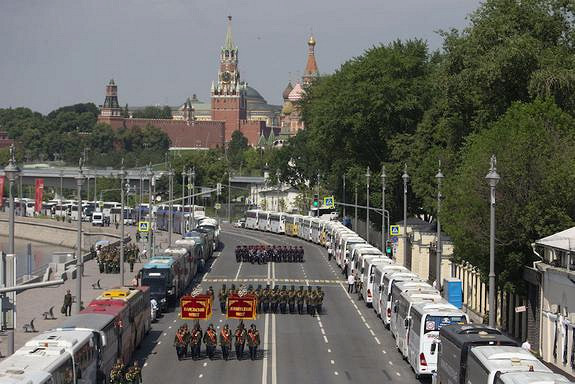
(394, 230)
(328, 202)
(217, 206)
(394, 239)
(143, 226)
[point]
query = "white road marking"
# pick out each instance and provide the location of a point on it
(328, 350)
(165, 334)
(325, 339)
(335, 373)
(377, 340)
(205, 364)
(322, 331)
(174, 321)
(397, 373)
(239, 269)
(390, 362)
(145, 364)
(170, 327)
(333, 362)
(159, 342)
(366, 325)
(201, 375)
(383, 351)
(372, 333)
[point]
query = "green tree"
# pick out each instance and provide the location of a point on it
(152, 112)
(236, 148)
(535, 148)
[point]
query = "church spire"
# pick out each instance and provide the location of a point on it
(311, 70)
(229, 44)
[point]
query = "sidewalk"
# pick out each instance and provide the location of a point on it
(32, 303)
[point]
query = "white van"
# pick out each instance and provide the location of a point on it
(378, 296)
(367, 285)
(98, 219)
(423, 327)
(387, 300)
(486, 364)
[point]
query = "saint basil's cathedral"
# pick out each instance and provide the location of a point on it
(234, 106)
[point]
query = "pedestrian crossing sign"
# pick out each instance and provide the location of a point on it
(328, 202)
(143, 226)
(394, 230)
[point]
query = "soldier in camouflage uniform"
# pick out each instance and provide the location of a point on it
(310, 301)
(258, 293)
(291, 299)
(274, 298)
(319, 299)
(283, 298)
(222, 296)
(300, 298)
(266, 296)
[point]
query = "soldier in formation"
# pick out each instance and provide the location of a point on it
(134, 374)
(283, 299)
(223, 296)
(262, 254)
(211, 341)
(291, 299)
(253, 341)
(226, 341)
(117, 372)
(181, 342)
(196, 341)
(300, 298)
(240, 336)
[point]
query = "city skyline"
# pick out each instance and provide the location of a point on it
(164, 51)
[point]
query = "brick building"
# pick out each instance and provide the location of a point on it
(234, 106)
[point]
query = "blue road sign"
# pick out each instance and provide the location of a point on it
(394, 230)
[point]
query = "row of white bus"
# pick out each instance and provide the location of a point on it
(418, 317)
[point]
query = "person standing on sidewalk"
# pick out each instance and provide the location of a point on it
(68, 303)
(350, 282)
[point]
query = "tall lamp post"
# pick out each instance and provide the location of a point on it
(383, 226)
(367, 175)
(11, 171)
(439, 252)
(79, 259)
(355, 223)
(183, 222)
(492, 179)
(405, 178)
(123, 175)
(343, 197)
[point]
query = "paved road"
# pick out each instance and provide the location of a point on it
(346, 344)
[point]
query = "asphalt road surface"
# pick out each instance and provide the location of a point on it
(346, 344)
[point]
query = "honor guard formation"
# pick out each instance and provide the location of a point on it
(280, 300)
(188, 343)
(262, 254)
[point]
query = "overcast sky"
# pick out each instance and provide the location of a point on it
(60, 52)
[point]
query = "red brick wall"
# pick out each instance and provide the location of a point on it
(252, 130)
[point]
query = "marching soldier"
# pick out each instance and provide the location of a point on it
(274, 298)
(300, 298)
(222, 296)
(211, 341)
(134, 374)
(253, 341)
(319, 300)
(180, 343)
(266, 299)
(283, 299)
(226, 341)
(238, 254)
(240, 335)
(196, 341)
(310, 298)
(258, 293)
(291, 299)
(300, 254)
(187, 338)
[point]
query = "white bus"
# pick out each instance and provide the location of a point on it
(108, 205)
(367, 286)
(486, 364)
(531, 378)
(252, 216)
(386, 298)
(357, 252)
(264, 221)
(342, 243)
(401, 308)
(57, 357)
(304, 227)
(423, 327)
(278, 222)
(379, 300)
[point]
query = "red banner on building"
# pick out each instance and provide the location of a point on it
(242, 307)
(39, 193)
(2, 178)
(197, 307)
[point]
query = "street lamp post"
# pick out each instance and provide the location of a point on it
(343, 197)
(492, 179)
(193, 174)
(439, 248)
(367, 175)
(405, 178)
(170, 204)
(123, 174)
(383, 226)
(183, 222)
(11, 171)
(355, 223)
(79, 259)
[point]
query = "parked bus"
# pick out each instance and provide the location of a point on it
(278, 222)
(423, 326)
(252, 216)
(455, 342)
(263, 221)
(387, 299)
(367, 286)
(292, 223)
(59, 356)
(378, 292)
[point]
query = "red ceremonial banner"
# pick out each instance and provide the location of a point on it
(242, 307)
(39, 193)
(197, 307)
(2, 178)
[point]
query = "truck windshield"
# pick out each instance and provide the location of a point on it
(434, 323)
(157, 281)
